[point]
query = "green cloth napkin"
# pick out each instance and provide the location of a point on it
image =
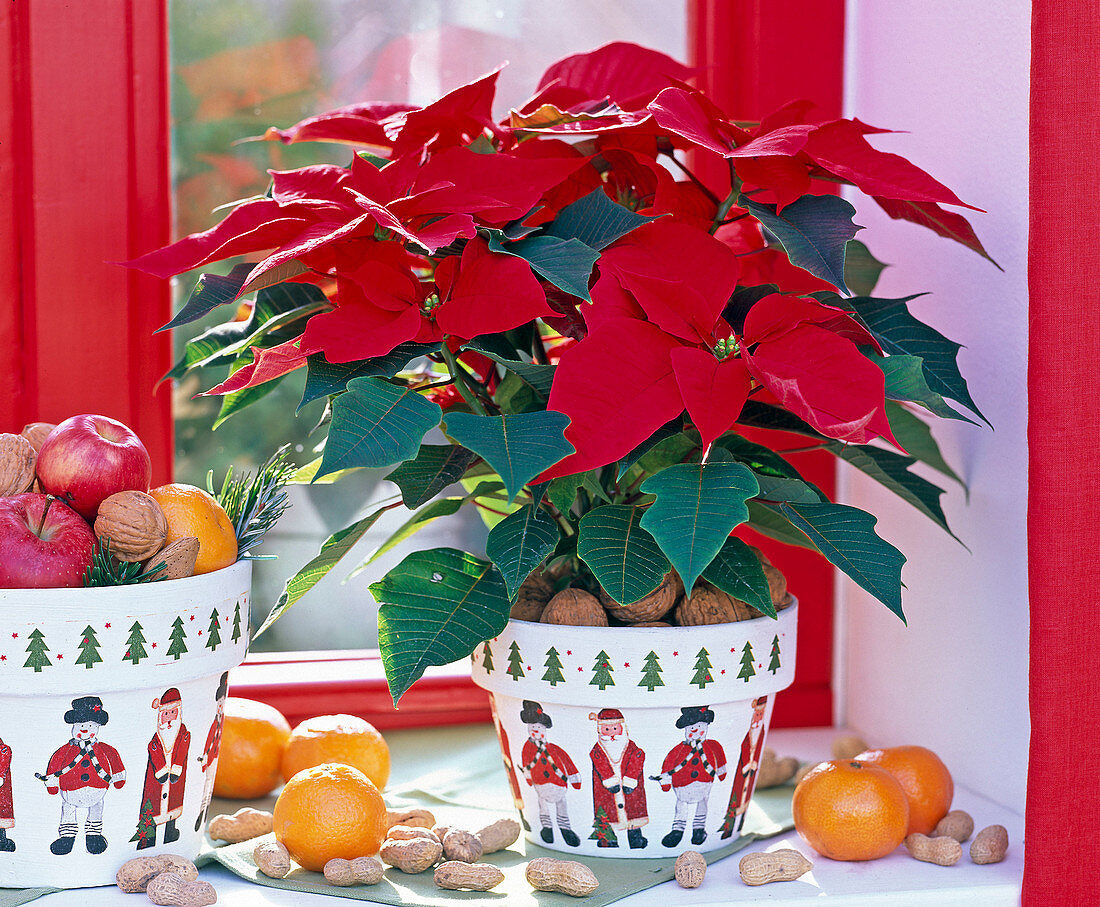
(11, 897)
(470, 791)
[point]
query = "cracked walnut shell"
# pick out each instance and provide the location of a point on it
(649, 607)
(134, 523)
(575, 608)
(36, 433)
(17, 459)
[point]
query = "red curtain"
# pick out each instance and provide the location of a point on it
(1064, 455)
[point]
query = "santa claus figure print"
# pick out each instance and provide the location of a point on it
(689, 771)
(550, 771)
(748, 763)
(618, 786)
(166, 770)
(81, 771)
(208, 758)
(7, 810)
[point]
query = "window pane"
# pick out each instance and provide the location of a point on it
(240, 66)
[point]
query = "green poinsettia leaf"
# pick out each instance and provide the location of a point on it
(737, 571)
(697, 506)
(210, 291)
(435, 607)
(761, 460)
(434, 468)
(563, 491)
(519, 543)
(324, 378)
(666, 431)
(623, 556)
(419, 520)
(915, 436)
(906, 380)
(595, 220)
(861, 269)
(781, 488)
(764, 415)
(540, 377)
(846, 536)
(766, 520)
(375, 423)
(892, 471)
(335, 547)
(518, 446)
(814, 232)
(566, 263)
(899, 333)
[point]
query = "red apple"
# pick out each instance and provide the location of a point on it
(43, 548)
(88, 458)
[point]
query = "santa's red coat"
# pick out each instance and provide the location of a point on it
(213, 744)
(166, 795)
(694, 770)
(7, 813)
(551, 766)
(634, 812)
(744, 778)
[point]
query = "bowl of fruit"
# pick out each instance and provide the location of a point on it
(124, 608)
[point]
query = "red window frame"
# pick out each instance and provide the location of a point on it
(85, 183)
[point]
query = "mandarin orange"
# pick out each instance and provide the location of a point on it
(254, 735)
(338, 738)
(846, 810)
(924, 778)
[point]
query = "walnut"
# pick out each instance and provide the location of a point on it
(777, 582)
(653, 606)
(36, 432)
(134, 523)
(576, 608)
(17, 459)
(708, 605)
(534, 593)
(651, 623)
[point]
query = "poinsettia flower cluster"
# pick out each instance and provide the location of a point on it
(449, 224)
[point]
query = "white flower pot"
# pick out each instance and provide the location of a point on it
(695, 703)
(104, 666)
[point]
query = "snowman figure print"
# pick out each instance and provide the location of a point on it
(550, 771)
(81, 771)
(689, 771)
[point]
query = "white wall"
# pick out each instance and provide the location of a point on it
(954, 73)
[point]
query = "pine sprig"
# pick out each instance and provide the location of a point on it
(106, 570)
(254, 504)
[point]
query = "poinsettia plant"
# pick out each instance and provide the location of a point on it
(594, 326)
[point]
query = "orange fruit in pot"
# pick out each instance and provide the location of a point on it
(848, 810)
(190, 511)
(338, 738)
(924, 778)
(329, 811)
(250, 759)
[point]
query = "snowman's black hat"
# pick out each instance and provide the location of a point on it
(693, 715)
(86, 708)
(533, 714)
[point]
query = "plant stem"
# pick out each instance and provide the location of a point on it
(691, 176)
(461, 380)
(42, 522)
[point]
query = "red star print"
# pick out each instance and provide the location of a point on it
(200, 632)
(3, 657)
(733, 650)
(15, 636)
(154, 645)
(192, 617)
(675, 653)
(127, 655)
(580, 669)
(59, 656)
(528, 667)
(723, 671)
(107, 626)
(568, 651)
(626, 664)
